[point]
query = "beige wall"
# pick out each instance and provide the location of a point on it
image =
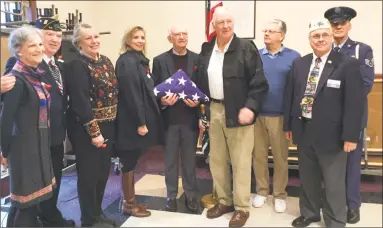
(157, 16)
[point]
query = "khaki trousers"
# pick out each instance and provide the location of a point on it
(269, 131)
(234, 145)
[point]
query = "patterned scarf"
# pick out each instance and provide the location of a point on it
(34, 77)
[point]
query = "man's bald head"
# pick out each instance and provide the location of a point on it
(177, 29)
(178, 36)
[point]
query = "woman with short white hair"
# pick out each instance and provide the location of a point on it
(25, 141)
(92, 89)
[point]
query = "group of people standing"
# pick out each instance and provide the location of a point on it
(105, 111)
(319, 101)
(258, 98)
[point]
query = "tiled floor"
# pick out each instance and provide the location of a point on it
(150, 188)
(371, 215)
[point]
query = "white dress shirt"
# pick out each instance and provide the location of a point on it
(48, 60)
(321, 67)
(214, 72)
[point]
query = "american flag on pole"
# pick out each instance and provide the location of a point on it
(179, 83)
(210, 8)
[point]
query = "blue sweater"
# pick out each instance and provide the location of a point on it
(277, 68)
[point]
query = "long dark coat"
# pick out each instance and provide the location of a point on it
(137, 104)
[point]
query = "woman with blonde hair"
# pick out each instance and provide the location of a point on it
(138, 124)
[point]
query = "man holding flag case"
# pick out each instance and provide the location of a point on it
(180, 99)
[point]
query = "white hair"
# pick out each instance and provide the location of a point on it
(77, 33)
(219, 11)
(174, 27)
(19, 36)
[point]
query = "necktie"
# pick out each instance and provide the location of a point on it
(336, 49)
(312, 82)
(56, 75)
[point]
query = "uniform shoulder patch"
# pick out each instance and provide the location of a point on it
(369, 63)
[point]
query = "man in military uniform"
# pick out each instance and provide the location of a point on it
(340, 18)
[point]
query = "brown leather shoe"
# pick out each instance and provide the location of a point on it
(218, 210)
(239, 219)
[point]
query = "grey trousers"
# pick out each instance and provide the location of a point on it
(316, 166)
(180, 140)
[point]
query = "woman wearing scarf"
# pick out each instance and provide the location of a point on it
(25, 142)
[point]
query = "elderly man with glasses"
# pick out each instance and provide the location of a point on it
(323, 111)
(180, 118)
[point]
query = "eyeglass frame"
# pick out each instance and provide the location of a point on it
(317, 36)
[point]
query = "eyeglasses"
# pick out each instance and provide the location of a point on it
(178, 35)
(317, 37)
(270, 31)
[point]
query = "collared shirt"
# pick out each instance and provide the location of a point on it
(214, 71)
(176, 53)
(265, 51)
(48, 60)
(340, 45)
(276, 69)
(321, 67)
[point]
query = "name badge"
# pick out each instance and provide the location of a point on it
(333, 83)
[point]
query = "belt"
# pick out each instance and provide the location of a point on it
(217, 101)
(307, 120)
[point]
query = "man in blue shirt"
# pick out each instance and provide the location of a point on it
(340, 18)
(277, 61)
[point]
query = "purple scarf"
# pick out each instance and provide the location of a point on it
(34, 77)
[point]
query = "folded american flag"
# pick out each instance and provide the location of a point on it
(180, 84)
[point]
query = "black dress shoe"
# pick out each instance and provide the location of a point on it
(171, 204)
(105, 220)
(191, 203)
(68, 223)
(62, 223)
(353, 216)
(303, 221)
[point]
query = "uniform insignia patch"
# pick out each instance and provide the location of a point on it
(369, 63)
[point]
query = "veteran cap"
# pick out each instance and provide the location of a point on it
(340, 14)
(319, 24)
(48, 23)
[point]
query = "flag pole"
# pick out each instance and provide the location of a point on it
(209, 200)
(207, 10)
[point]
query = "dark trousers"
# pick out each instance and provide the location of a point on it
(93, 167)
(353, 176)
(128, 159)
(180, 139)
(26, 217)
(315, 166)
(49, 214)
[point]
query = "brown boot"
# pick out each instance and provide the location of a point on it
(130, 206)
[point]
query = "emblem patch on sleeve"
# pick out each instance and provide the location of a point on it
(369, 63)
